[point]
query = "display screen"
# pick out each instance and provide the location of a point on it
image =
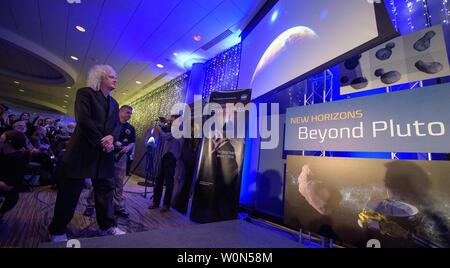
(298, 36)
(400, 203)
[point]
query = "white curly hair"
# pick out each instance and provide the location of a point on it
(96, 74)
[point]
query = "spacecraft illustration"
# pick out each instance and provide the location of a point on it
(381, 215)
(392, 218)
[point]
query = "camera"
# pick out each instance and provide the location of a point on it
(165, 124)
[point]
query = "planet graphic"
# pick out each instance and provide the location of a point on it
(283, 42)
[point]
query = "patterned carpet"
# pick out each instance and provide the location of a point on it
(26, 225)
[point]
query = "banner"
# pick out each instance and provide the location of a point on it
(418, 56)
(182, 188)
(218, 183)
(398, 203)
(405, 121)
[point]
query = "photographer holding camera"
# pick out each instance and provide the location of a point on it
(171, 158)
(122, 147)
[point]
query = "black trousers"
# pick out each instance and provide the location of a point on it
(11, 199)
(67, 201)
(166, 173)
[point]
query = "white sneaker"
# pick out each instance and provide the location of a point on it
(114, 231)
(58, 238)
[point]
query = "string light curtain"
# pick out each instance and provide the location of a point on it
(414, 15)
(147, 109)
(222, 72)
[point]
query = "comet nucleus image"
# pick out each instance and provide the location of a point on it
(388, 78)
(290, 38)
(323, 197)
(385, 53)
(429, 67)
(424, 43)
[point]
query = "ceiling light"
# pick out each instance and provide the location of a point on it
(197, 37)
(74, 58)
(67, 96)
(124, 93)
(21, 90)
(69, 87)
(175, 54)
(64, 106)
(16, 82)
(81, 29)
(139, 82)
(66, 101)
(160, 66)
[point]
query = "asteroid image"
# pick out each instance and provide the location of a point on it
(324, 198)
(360, 83)
(389, 77)
(352, 63)
(429, 67)
(424, 43)
(385, 53)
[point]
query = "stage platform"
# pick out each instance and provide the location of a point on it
(229, 234)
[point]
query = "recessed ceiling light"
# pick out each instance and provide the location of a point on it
(64, 106)
(81, 29)
(197, 37)
(67, 96)
(69, 87)
(66, 101)
(160, 66)
(74, 58)
(21, 90)
(16, 82)
(139, 82)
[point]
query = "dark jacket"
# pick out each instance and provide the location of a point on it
(84, 157)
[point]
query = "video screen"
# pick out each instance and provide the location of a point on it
(297, 36)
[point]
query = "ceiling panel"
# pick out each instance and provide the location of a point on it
(228, 14)
(146, 20)
(185, 17)
(30, 27)
(115, 17)
(247, 6)
(209, 5)
(86, 15)
(7, 19)
(54, 26)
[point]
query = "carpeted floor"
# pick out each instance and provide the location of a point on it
(26, 225)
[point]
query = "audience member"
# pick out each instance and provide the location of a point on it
(3, 125)
(11, 120)
(63, 137)
(37, 122)
(21, 126)
(40, 141)
(12, 168)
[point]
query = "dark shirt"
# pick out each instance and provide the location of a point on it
(12, 168)
(127, 134)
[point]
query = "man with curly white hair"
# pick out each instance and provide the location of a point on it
(90, 154)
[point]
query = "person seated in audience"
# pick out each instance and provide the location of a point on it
(63, 137)
(21, 126)
(25, 117)
(40, 141)
(3, 125)
(12, 168)
(37, 122)
(44, 156)
(11, 120)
